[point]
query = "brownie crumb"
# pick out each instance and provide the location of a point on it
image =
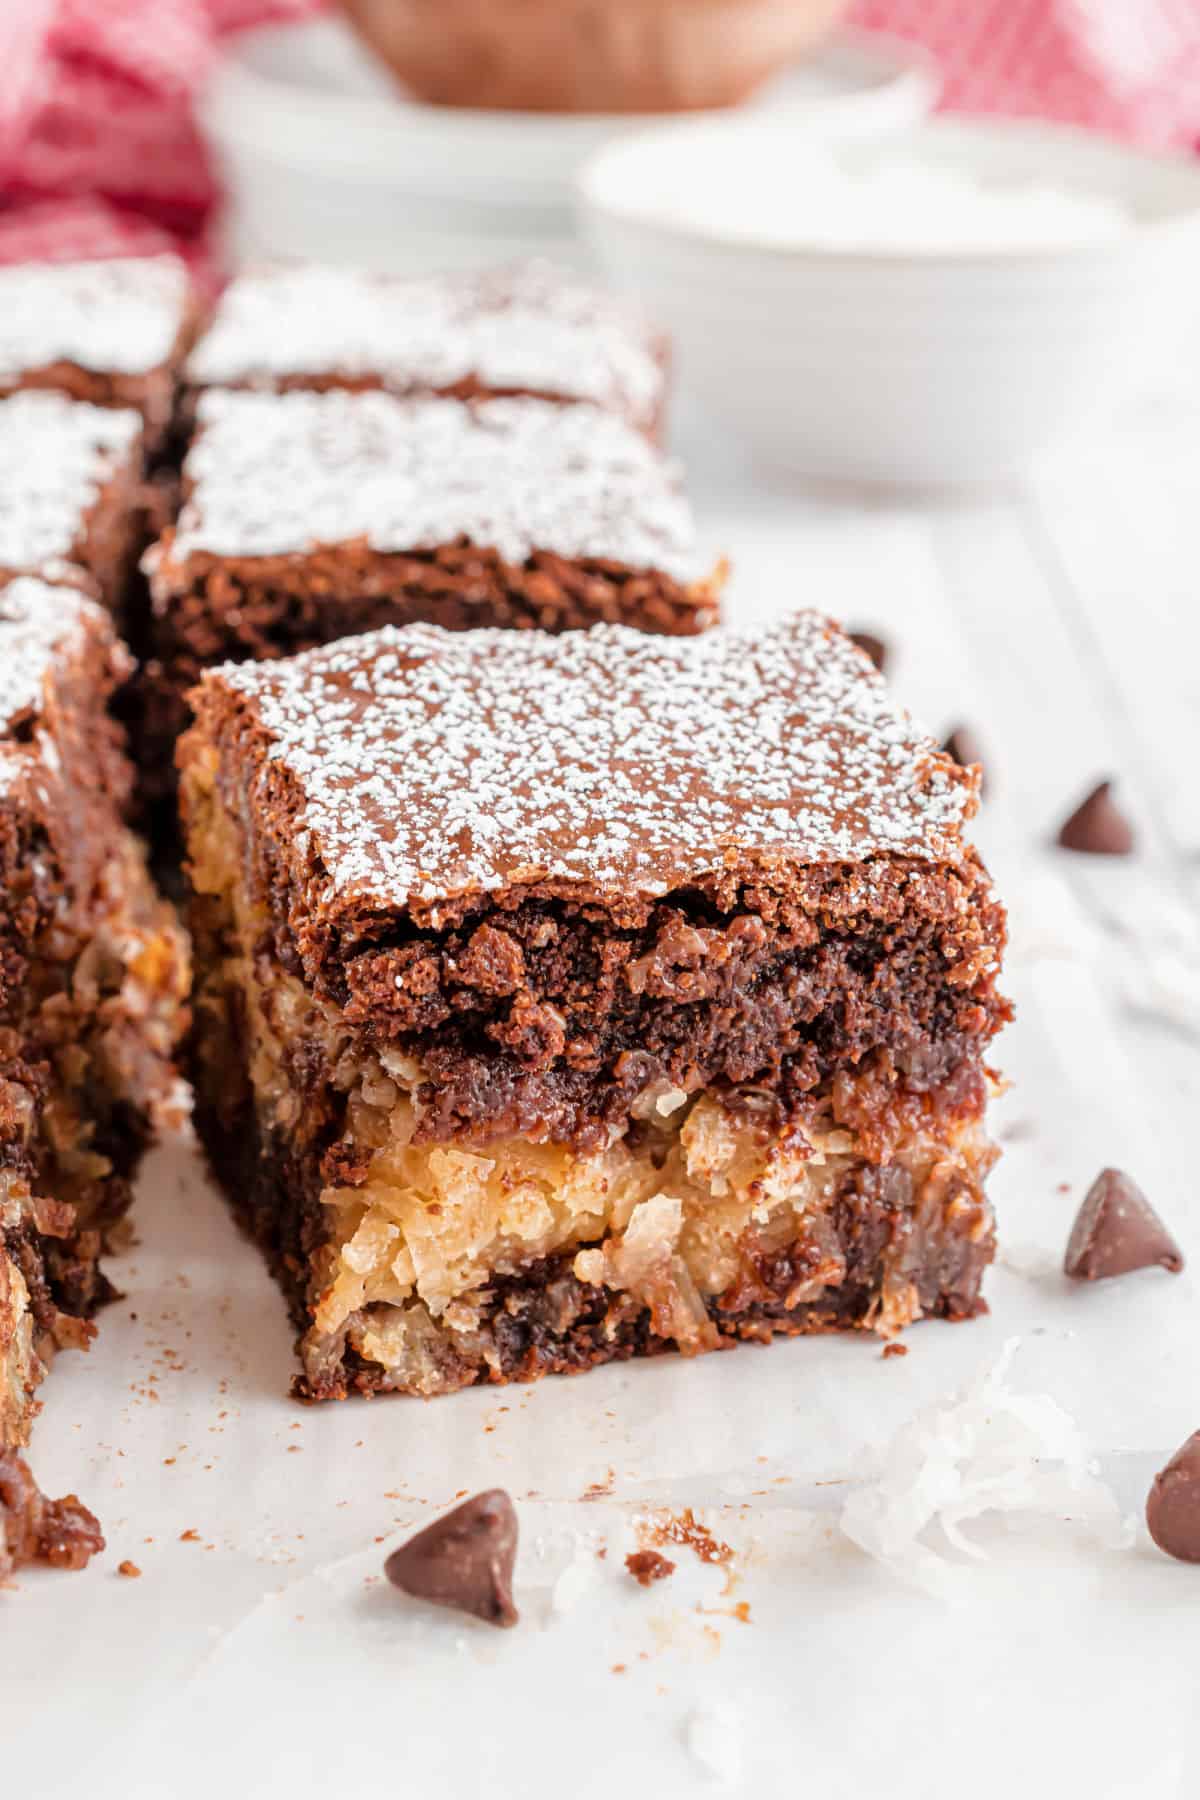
(62, 1532)
(890, 1350)
(464, 1560)
(647, 1566)
(683, 1528)
(128, 1568)
(1098, 827)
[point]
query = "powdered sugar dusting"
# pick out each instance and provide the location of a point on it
(55, 454)
(433, 763)
(121, 316)
(276, 474)
(524, 328)
(36, 620)
(989, 1449)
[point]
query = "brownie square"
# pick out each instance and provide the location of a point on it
(313, 516)
(93, 981)
(562, 999)
(529, 329)
(112, 333)
(72, 496)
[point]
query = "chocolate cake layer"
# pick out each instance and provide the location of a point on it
(112, 333)
(93, 980)
(564, 998)
(523, 330)
(591, 916)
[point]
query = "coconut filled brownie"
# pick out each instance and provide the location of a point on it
(562, 999)
(93, 982)
(528, 329)
(312, 516)
(112, 333)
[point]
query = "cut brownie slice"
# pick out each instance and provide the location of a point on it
(562, 999)
(71, 491)
(93, 981)
(113, 333)
(311, 517)
(523, 330)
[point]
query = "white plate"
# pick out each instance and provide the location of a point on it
(317, 141)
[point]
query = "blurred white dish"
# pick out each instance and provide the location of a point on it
(896, 202)
(838, 349)
(325, 157)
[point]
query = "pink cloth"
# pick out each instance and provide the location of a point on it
(1130, 68)
(100, 155)
(99, 151)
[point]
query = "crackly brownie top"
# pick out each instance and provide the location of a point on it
(55, 455)
(39, 625)
(119, 317)
(526, 328)
(430, 764)
(277, 474)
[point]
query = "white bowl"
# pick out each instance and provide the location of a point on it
(325, 156)
(896, 366)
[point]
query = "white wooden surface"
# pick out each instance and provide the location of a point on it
(1061, 621)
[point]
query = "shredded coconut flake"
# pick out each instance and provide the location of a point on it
(433, 763)
(121, 316)
(524, 328)
(573, 1583)
(987, 1450)
(55, 454)
(278, 474)
(714, 1739)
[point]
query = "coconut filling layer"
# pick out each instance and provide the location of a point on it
(671, 1216)
(20, 1365)
(112, 1030)
(106, 994)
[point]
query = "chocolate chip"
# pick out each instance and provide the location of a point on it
(874, 647)
(464, 1560)
(1098, 826)
(1116, 1231)
(1173, 1504)
(963, 746)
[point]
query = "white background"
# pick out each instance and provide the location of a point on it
(1060, 621)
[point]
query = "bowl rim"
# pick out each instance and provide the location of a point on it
(598, 205)
(240, 91)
